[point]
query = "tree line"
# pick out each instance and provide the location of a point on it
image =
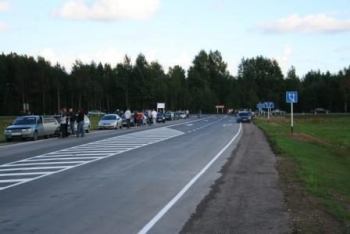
(140, 85)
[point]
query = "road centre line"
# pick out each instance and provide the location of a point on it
(179, 195)
(193, 121)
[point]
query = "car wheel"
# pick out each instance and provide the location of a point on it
(35, 136)
(8, 139)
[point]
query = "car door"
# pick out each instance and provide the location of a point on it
(39, 126)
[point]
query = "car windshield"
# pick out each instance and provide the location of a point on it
(25, 121)
(244, 114)
(109, 117)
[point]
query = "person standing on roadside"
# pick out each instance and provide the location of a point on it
(72, 118)
(63, 123)
(80, 121)
(149, 116)
(154, 116)
(127, 116)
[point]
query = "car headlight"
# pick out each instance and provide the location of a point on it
(8, 131)
(27, 130)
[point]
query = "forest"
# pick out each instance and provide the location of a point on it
(45, 88)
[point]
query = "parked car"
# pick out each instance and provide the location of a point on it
(110, 121)
(320, 111)
(87, 125)
(132, 120)
(169, 115)
(244, 117)
(32, 127)
(183, 115)
(160, 118)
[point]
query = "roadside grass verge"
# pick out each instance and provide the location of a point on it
(4, 122)
(94, 121)
(320, 148)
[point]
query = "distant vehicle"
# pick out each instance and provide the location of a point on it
(182, 115)
(32, 127)
(110, 121)
(176, 115)
(161, 118)
(244, 117)
(169, 115)
(320, 111)
(96, 112)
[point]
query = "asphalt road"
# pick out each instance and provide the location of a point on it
(126, 181)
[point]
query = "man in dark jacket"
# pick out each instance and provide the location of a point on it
(80, 121)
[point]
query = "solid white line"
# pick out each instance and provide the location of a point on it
(26, 173)
(13, 180)
(23, 163)
(58, 159)
(32, 168)
(178, 196)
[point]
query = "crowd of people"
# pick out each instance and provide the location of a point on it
(140, 118)
(70, 119)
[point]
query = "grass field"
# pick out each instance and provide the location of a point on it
(4, 122)
(320, 147)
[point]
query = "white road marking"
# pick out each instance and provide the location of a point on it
(76, 156)
(32, 168)
(12, 180)
(178, 196)
(24, 174)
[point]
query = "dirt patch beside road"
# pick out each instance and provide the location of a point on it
(247, 198)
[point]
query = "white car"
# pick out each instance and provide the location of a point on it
(110, 121)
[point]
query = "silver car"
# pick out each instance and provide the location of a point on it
(110, 121)
(32, 127)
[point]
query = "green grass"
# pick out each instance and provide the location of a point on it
(321, 149)
(4, 122)
(94, 121)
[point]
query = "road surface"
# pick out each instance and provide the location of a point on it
(141, 180)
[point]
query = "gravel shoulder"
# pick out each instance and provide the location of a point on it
(247, 198)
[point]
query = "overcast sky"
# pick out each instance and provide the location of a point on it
(309, 34)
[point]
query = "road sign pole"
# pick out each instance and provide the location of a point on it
(291, 118)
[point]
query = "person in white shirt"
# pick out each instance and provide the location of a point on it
(154, 116)
(127, 116)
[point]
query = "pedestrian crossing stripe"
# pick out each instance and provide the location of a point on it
(29, 169)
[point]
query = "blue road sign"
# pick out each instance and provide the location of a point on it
(269, 105)
(291, 97)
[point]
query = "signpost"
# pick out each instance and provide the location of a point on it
(269, 106)
(291, 97)
(219, 107)
(160, 106)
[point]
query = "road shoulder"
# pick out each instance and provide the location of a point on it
(247, 198)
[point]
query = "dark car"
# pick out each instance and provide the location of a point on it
(161, 118)
(132, 120)
(244, 117)
(169, 115)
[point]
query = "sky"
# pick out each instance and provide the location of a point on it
(306, 34)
